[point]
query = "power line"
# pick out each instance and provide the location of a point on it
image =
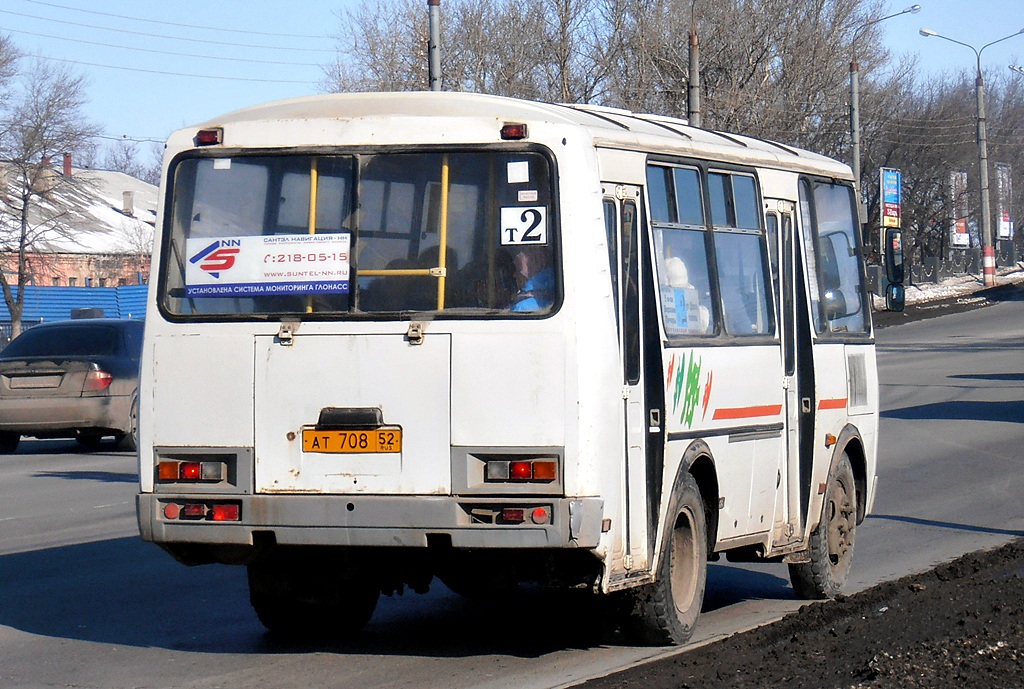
(164, 52)
(163, 23)
(125, 137)
(173, 38)
(174, 74)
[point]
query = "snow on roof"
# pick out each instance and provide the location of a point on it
(93, 214)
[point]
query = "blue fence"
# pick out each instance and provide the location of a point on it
(57, 303)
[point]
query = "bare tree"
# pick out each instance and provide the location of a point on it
(42, 120)
(124, 157)
(536, 49)
(383, 48)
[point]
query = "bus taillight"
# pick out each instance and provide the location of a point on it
(543, 470)
(209, 137)
(513, 132)
(170, 470)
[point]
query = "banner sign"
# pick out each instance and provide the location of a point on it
(1004, 199)
(892, 196)
(959, 237)
(267, 265)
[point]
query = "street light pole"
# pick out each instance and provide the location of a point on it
(987, 248)
(855, 99)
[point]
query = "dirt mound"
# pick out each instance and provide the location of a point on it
(959, 625)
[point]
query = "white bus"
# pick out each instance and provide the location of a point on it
(393, 337)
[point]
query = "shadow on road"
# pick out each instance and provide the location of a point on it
(126, 592)
(1002, 377)
(946, 525)
(101, 476)
(961, 410)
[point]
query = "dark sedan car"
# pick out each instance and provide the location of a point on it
(71, 379)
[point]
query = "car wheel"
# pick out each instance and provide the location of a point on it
(89, 441)
(130, 440)
(9, 442)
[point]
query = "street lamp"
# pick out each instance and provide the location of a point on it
(988, 252)
(1015, 68)
(855, 97)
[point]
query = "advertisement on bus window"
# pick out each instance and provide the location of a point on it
(267, 265)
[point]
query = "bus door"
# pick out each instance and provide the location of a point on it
(798, 365)
(630, 264)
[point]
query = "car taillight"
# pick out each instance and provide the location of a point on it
(98, 379)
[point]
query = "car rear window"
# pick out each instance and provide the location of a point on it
(88, 340)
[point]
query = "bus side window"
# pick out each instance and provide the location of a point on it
(831, 228)
(742, 281)
(610, 228)
(740, 254)
(685, 284)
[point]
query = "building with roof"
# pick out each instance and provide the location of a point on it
(102, 235)
(91, 248)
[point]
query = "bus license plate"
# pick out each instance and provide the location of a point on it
(378, 440)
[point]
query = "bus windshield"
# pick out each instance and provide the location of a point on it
(461, 233)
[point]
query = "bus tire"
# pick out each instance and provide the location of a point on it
(9, 442)
(292, 604)
(665, 612)
(831, 544)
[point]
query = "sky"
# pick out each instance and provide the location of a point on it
(155, 66)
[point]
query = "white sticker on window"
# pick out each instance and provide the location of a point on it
(519, 172)
(222, 163)
(524, 225)
(527, 195)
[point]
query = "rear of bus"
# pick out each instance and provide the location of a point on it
(359, 364)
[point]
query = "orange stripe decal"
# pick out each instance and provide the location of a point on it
(748, 412)
(832, 404)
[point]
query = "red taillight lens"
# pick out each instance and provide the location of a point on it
(226, 513)
(520, 471)
(190, 471)
(512, 515)
(98, 379)
(209, 137)
(513, 131)
(194, 510)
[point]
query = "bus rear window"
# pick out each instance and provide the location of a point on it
(462, 233)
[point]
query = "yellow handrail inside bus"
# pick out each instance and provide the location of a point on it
(443, 234)
(314, 180)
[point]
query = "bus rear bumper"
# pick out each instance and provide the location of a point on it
(377, 520)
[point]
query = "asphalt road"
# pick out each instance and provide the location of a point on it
(84, 603)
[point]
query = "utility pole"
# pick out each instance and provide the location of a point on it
(988, 254)
(433, 47)
(693, 92)
(855, 105)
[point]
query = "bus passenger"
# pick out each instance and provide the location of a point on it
(535, 278)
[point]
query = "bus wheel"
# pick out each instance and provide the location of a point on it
(831, 546)
(8, 442)
(665, 612)
(294, 601)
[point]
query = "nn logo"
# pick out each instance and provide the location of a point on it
(218, 256)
